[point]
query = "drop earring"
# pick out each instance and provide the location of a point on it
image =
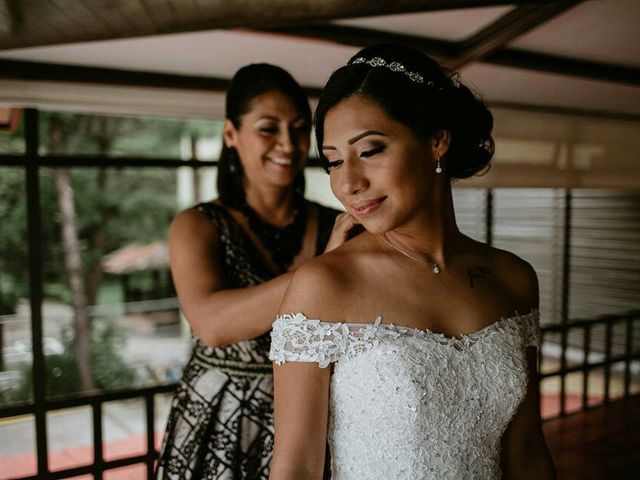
(234, 161)
(438, 166)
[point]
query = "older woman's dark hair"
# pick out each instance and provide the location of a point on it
(439, 102)
(248, 83)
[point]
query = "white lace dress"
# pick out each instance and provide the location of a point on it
(414, 404)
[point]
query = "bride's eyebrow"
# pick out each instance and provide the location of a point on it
(353, 140)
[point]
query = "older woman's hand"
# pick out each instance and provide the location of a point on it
(345, 227)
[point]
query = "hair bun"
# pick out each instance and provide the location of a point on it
(472, 146)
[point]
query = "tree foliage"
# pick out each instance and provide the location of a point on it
(109, 370)
(138, 202)
(113, 207)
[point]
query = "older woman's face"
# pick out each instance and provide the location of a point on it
(272, 140)
(379, 170)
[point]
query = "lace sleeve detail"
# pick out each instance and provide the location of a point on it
(532, 329)
(294, 338)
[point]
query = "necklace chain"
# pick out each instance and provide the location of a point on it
(436, 267)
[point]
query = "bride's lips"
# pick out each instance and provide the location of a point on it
(367, 207)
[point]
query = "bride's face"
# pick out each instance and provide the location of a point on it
(379, 170)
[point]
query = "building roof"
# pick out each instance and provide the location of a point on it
(134, 258)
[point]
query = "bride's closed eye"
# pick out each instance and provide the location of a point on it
(373, 151)
(364, 154)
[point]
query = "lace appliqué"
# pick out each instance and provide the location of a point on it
(408, 403)
(296, 338)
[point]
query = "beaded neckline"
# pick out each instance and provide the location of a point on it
(424, 332)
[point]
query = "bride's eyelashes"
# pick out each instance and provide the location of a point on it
(364, 154)
(373, 151)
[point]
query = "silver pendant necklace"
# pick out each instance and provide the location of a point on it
(436, 267)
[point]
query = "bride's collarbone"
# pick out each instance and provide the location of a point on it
(464, 298)
(450, 323)
(428, 305)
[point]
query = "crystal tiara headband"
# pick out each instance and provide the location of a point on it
(393, 66)
(485, 144)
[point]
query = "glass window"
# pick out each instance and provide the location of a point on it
(17, 456)
(15, 313)
(124, 431)
(66, 133)
(109, 304)
(11, 131)
(70, 438)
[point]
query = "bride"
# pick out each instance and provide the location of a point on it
(411, 348)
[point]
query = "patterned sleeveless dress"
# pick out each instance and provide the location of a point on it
(221, 421)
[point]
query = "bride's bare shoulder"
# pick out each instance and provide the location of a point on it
(321, 287)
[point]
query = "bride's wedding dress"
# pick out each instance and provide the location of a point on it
(414, 404)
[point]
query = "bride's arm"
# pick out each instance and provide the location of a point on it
(301, 416)
(524, 450)
(301, 389)
(525, 454)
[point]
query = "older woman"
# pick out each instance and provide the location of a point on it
(230, 260)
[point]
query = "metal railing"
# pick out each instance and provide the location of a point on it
(590, 362)
(96, 401)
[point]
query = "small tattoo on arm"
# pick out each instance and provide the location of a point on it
(477, 273)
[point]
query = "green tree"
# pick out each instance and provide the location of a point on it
(111, 207)
(109, 370)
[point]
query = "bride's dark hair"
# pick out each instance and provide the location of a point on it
(432, 100)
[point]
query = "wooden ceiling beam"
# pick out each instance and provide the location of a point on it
(30, 71)
(360, 37)
(20, 70)
(505, 29)
(52, 72)
(565, 66)
(154, 18)
(443, 50)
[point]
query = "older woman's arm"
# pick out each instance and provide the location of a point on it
(218, 314)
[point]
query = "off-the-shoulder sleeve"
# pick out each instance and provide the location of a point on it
(294, 338)
(532, 329)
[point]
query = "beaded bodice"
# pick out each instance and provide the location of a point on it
(408, 403)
